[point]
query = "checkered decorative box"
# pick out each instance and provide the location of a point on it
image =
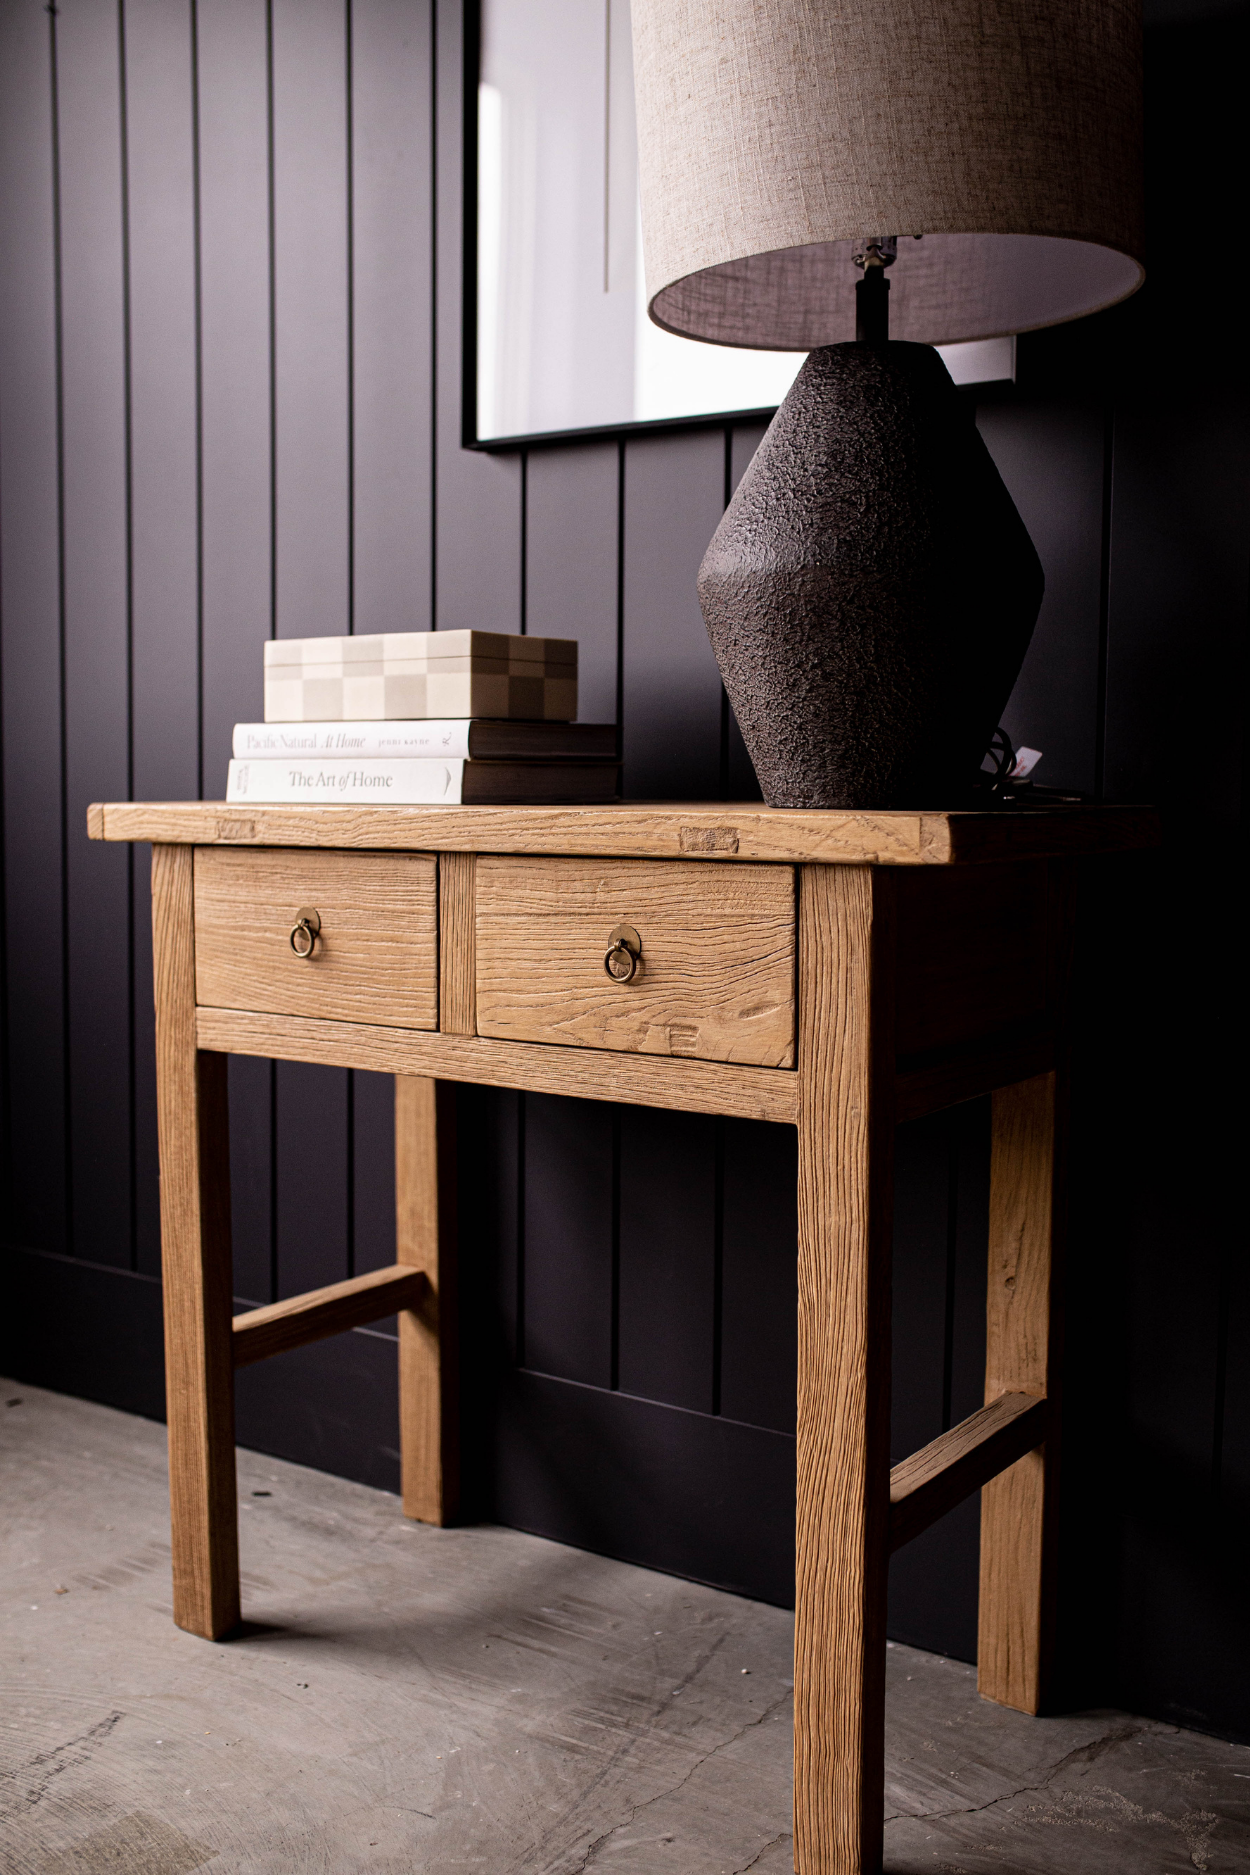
(398, 676)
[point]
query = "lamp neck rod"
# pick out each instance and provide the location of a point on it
(872, 307)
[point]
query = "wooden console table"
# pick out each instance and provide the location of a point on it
(836, 971)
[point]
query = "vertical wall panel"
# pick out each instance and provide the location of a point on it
(165, 725)
(477, 517)
(234, 320)
(1234, 1478)
(487, 1156)
(1051, 459)
(671, 707)
(573, 494)
(568, 1238)
(311, 1148)
(969, 1135)
(1181, 490)
(97, 650)
(373, 1170)
(251, 1160)
(235, 496)
(668, 1251)
(759, 1282)
(163, 415)
(30, 641)
(941, 1230)
(392, 312)
(312, 526)
(146, 1225)
(674, 497)
(1178, 579)
(740, 782)
(921, 1220)
(311, 311)
(746, 439)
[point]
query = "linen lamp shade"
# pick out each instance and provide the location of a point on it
(773, 135)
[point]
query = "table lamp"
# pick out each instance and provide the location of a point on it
(871, 590)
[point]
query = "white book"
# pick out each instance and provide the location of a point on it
(446, 741)
(407, 780)
(414, 781)
(435, 739)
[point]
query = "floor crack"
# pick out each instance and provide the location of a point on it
(1080, 1754)
(772, 1844)
(660, 1795)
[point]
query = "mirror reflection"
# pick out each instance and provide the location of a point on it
(563, 337)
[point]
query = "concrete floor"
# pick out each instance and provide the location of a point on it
(411, 1699)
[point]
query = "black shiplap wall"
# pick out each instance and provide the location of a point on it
(230, 406)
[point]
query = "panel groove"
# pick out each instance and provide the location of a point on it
(1104, 602)
(197, 314)
(59, 347)
(349, 139)
(128, 472)
(271, 207)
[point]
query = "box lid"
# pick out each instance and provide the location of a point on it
(412, 653)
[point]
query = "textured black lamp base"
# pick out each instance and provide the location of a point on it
(871, 590)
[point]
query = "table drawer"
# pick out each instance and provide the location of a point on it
(715, 978)
(375, 959)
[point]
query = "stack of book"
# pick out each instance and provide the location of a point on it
(422, 717)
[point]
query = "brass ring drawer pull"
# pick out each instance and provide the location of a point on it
(305, 931)
(623, 955)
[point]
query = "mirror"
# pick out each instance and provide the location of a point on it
(563, 339)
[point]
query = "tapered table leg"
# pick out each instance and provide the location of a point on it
(1017, 1600)
(195, 1261)
(846, 1122)
(425, 1197)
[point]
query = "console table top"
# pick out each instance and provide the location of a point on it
(724, 830)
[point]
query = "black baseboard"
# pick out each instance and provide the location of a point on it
(85, 1329)
(686, 1493)
(96, 1332)
(333, 1405)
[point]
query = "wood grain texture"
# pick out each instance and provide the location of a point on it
(258, 1333)
(716, 977)
(1017, 1509)
(592, 1074)
(457, 953)
(195, 1257)
(377, 956)
(846, 1131)
(425, 1230)
(941, 1474)
(650, 830)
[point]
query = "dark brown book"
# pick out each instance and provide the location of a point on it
(498, 741)
(488, 783)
